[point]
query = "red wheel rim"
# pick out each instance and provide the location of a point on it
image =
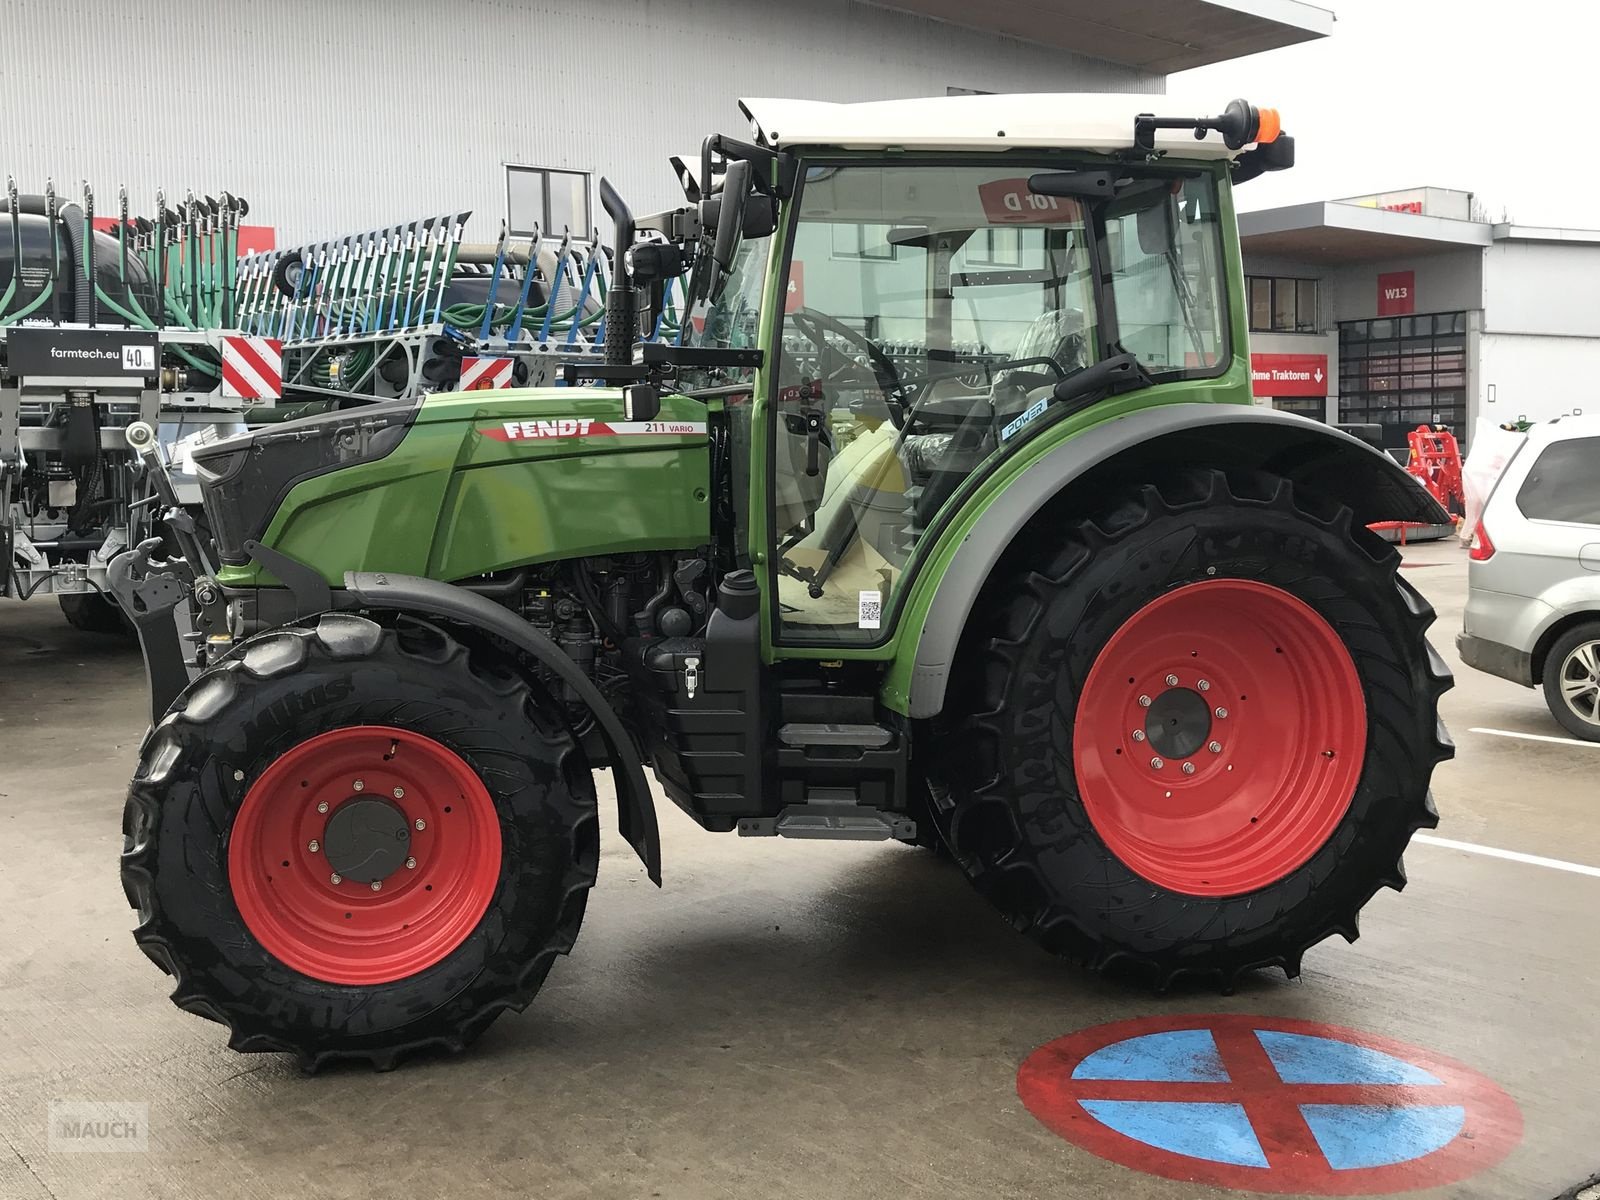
(1219, 738)
(444, 871)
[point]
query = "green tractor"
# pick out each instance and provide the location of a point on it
(948, 518)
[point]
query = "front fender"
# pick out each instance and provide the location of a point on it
(636, 813)
(1133, 449)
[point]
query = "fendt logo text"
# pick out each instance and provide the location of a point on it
(586, 427)
(516, 431)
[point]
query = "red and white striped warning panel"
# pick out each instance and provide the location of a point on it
(252, 367)
(485, 374)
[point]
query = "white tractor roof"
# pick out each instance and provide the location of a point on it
(1064, 120)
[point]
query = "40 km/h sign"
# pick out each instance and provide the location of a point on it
(1266, 1104)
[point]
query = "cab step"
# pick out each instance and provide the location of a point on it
(833, 814)
(866, 736)
(837, 779)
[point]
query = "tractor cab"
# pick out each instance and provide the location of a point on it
(935, 299)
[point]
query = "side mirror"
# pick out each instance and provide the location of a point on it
(760, 217)
(730, 214)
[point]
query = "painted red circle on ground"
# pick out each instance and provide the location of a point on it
(1210, 1081)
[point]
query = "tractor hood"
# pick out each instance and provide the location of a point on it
(460, 484)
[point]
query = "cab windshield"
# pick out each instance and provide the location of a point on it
(929, 312)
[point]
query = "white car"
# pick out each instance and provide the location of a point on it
(1533, 599)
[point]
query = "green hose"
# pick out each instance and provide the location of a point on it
(144, 322)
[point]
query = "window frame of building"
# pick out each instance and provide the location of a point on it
(1401, 372)
(860, 248)
(1296, 287)
(523, 228)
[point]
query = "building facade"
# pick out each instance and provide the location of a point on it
(1407, 309)
(335, 117)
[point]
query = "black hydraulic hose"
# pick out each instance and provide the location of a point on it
(82, 289)
(499, 589)
(597, 610)
(658, 601)
(90, 486)
(27, 206)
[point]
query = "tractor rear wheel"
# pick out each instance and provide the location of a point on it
(1193, 735)
(356, 841)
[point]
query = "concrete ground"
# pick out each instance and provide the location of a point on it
(785, 1019)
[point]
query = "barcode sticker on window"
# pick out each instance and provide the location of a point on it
(869, 610)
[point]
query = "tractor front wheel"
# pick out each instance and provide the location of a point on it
(1194, 734)
(356, 841)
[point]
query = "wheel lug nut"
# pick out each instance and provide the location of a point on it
(1138, 735)
(421, 824)
(399, 793)
(336, 879)
(1222, 714)
(359, 784)
(1204, 685)
(313, 845)
(377, 885)
(1215, 747)
(1188, 768)
(322, 806)
(411, 864)
(1157, 763)
(1144, 701)
(1172, 681)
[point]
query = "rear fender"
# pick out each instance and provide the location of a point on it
(636, 813)
(1134, 449)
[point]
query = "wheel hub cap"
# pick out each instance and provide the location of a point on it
(367, 839)
(1178, 723)
(1580, 681)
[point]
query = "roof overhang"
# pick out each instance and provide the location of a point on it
(1159, 36)
(1333, 233)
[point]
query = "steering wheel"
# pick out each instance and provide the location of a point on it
(814, 324)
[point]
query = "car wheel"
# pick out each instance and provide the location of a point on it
(1572, 681)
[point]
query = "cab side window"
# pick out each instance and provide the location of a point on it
(1564, 484)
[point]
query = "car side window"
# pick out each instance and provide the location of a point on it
(1564, 484)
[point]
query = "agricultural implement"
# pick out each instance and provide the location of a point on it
(102, 328)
